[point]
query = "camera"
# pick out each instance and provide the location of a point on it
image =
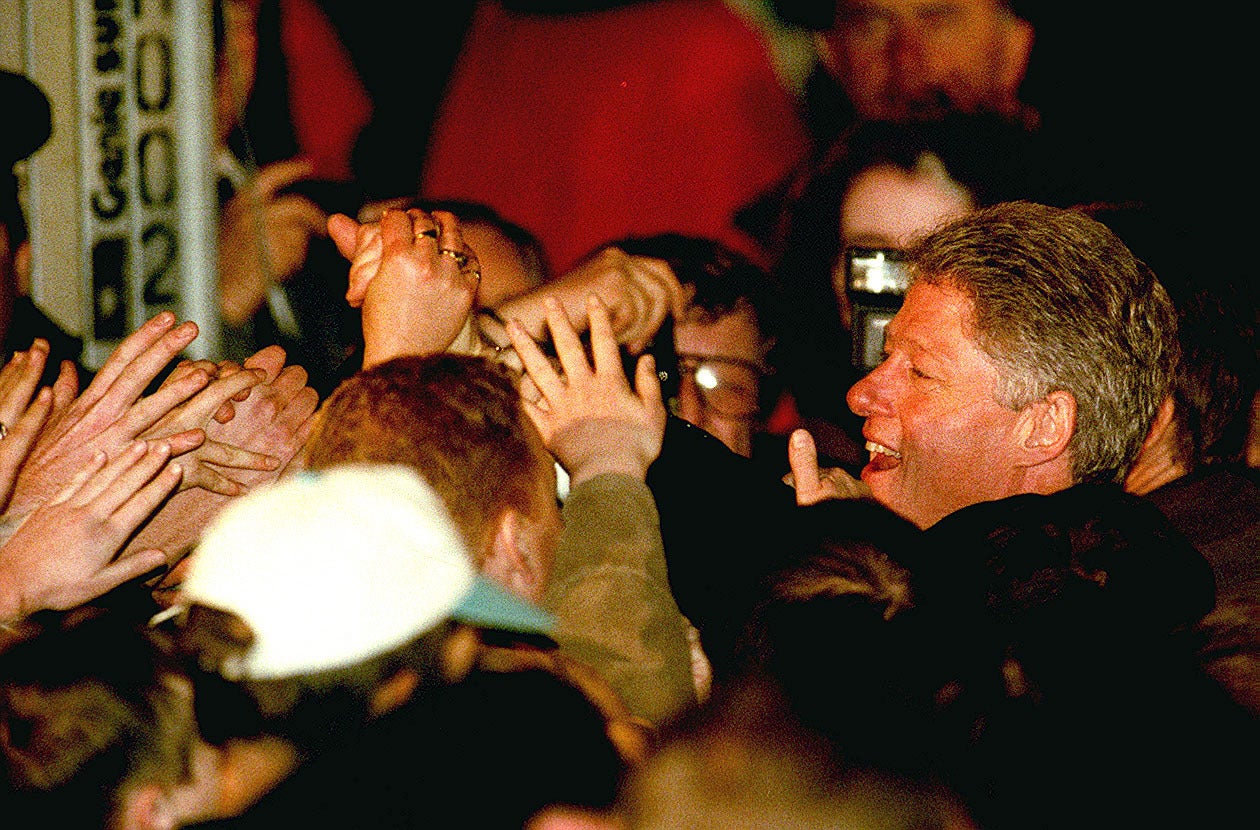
(875, 280)
(666, 356)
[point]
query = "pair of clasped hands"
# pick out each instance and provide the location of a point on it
(416, 300)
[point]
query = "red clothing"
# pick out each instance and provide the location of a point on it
(328, 102)
(659, 116)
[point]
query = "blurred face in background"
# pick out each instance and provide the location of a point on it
(906, 59)
(887, 206)
(721, 363)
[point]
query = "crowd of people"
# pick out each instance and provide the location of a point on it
(884, 476)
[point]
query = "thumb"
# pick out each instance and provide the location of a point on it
(803, 460)
(344, 232)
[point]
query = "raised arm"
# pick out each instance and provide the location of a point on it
(609, 588)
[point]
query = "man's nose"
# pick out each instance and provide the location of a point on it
(871, 395)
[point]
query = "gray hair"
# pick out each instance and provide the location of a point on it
(1059, 303)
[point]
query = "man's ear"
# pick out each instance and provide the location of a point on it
(1160, 425)
(508, 562)
(1047, 426)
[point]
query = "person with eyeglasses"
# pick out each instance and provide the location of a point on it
(723, 339)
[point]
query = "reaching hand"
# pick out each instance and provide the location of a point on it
(21, 419)
(64, 554)
(197, 413)
(589, 418)
(414, 278)
(264, 237)
(637, 291)
(274, 420)
(110, 413)
(814, 484)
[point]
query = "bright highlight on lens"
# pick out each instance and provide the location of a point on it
(706, 378)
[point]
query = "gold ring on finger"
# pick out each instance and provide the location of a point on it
(461, 258)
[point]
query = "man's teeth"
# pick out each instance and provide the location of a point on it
(872, 447)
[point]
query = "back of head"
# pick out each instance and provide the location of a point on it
(1068, 622)
(455, 420)
(746, 761)
(1218, 370)
(1059, 303)
(312, 591)
(28, 124)
(836, 633)
(720, 278)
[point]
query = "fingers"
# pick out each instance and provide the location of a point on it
(130, 349)
(140, 372)
(98, 460)
(603, 342)
(647, 385)
(343, 231)
(397, 235)
(17, 444)
(200, 475)
(660, 295)
(568, 345)
(65, 388)
(538, 368)
(298, 213)
(227, 455)
(803, 460)
(450, 237)
(18, 380)
(121, 479)
(147, 411)
(365, 261)
(270, 360)
(272, 178)
(212, 398)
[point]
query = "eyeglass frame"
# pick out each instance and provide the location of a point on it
(689, 363)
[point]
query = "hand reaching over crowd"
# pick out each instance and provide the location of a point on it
(206, 466)
(589, 418)
(639, 292)
(414, 279)
(84, 526)
(21, 417)
(264, 235)
(273, 422)
(110, 413)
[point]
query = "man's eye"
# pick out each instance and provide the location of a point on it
(919, 373)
